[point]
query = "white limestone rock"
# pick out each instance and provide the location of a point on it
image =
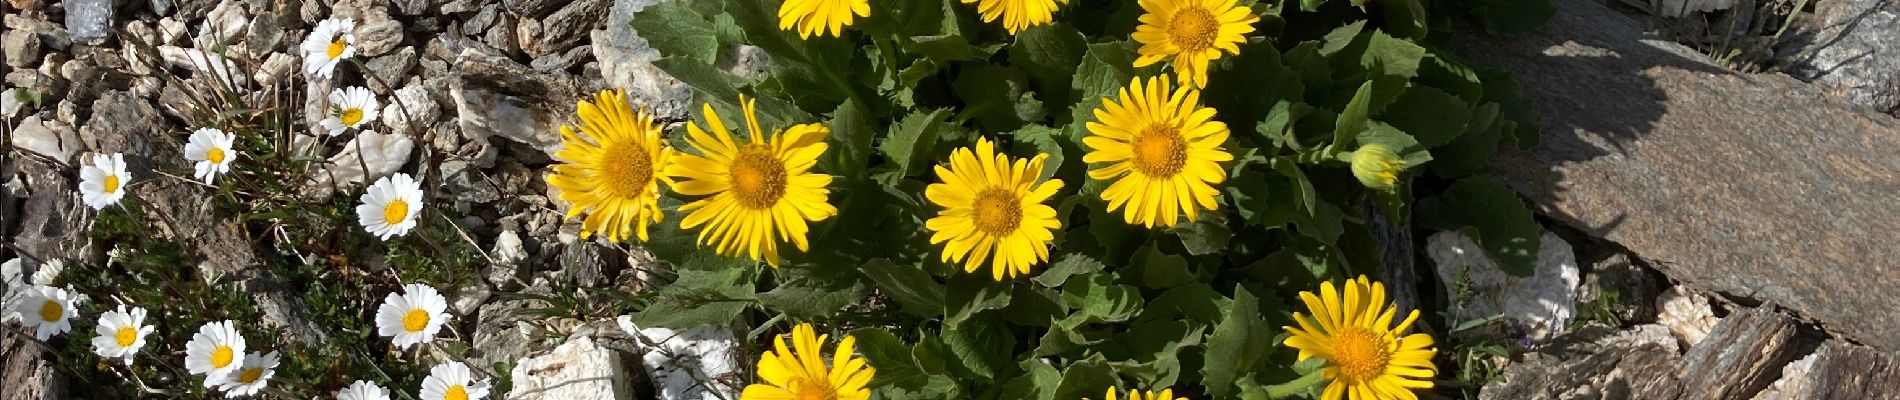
(696, 364)
(578, 369)
(1543, 303)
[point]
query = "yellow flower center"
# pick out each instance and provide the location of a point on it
(51, 311)
(1193, 29)
(628, 170)
(215, 155)
(112, 183)
(997, 211)
(126, 336)
(415, 320)
(221, 356)
(396, 211)
(807, 390)
(249, 375)
(1160, 151)
(456, 392)
(758, 178)
(350, 116)
(337, 46)
(1360, 355)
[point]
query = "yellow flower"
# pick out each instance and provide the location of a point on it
(757, 193)
(610, 172)
(1377, 166)
(993, 203)
(1166, 394)
(1018, 14)
(1364, 360)
(799, 372)
(1193, 32)
(820, 17)
(1164, 147)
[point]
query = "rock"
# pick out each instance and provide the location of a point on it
(500, 335)
(482, 19)
(502, 36)
(389, 71)
(276, 68)
(697, 364)
(52, 36)
(22, 48)
(199, 61)
(531, 8)
(467, 185)
(88, 20)
(411, 103)
(1595, 362)
(1629, 289)
(1793, 381)
(559, 62)
(265, 37)
(1543, 303)
(1715, 178)
(1681, 8)
(172, 31)
(1743, 355)
(30, 371)
(10, 103)
(382, 154)
(1850, 47)
(510, 257)
(497, 97)
(26, 4)
(378, 36)
(1846, 371)
(468, 298)
(49, 138)
(225, 25)
(412, 7)
(576, 369)
(1687, 315)
(52, 221)
(626, 62)
(563, 29)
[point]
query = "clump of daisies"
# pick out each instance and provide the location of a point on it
(351, 108)
(211, 149)
(48, 310)
(122, 333)
(412, 318)
(251, 377)
(103, 183)
(327, 46)
(390, 206)
(453, 381)
(216, 352)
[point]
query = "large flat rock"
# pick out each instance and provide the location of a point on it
(1758, 186)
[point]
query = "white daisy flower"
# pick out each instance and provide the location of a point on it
(121, 333)
(103, 183)
(250, 378)
(214, 351)
(451, 381)
(48, 272)
(363, 390)
(414, 317)
(211, 148)
(50, 309)
(390, 206)
(328, 45)
(351, 107)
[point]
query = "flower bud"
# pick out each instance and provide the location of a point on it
(1377, 166)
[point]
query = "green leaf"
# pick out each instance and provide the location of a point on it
(1512, 17)
(1194, 301)
(1352, 120)
(1490, 213)
(1097, 298)
(998, 98)
(1046, 141)
(1086, 379)
(698, 298)
(970, 296)
(702, 76)
(812, 298)
(890, 356)
(676, 30)
(851, 138)
(1067, 265)
(1237, 345)
(944, 48)
(1049, 53)
(986, 349)
(912, 141)
(1311, 5)
(1431, 116)
(1408, 148)
(1500, 87)
(910, 286)
(1209, 235)
(1160, 270)
(1473, 150)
